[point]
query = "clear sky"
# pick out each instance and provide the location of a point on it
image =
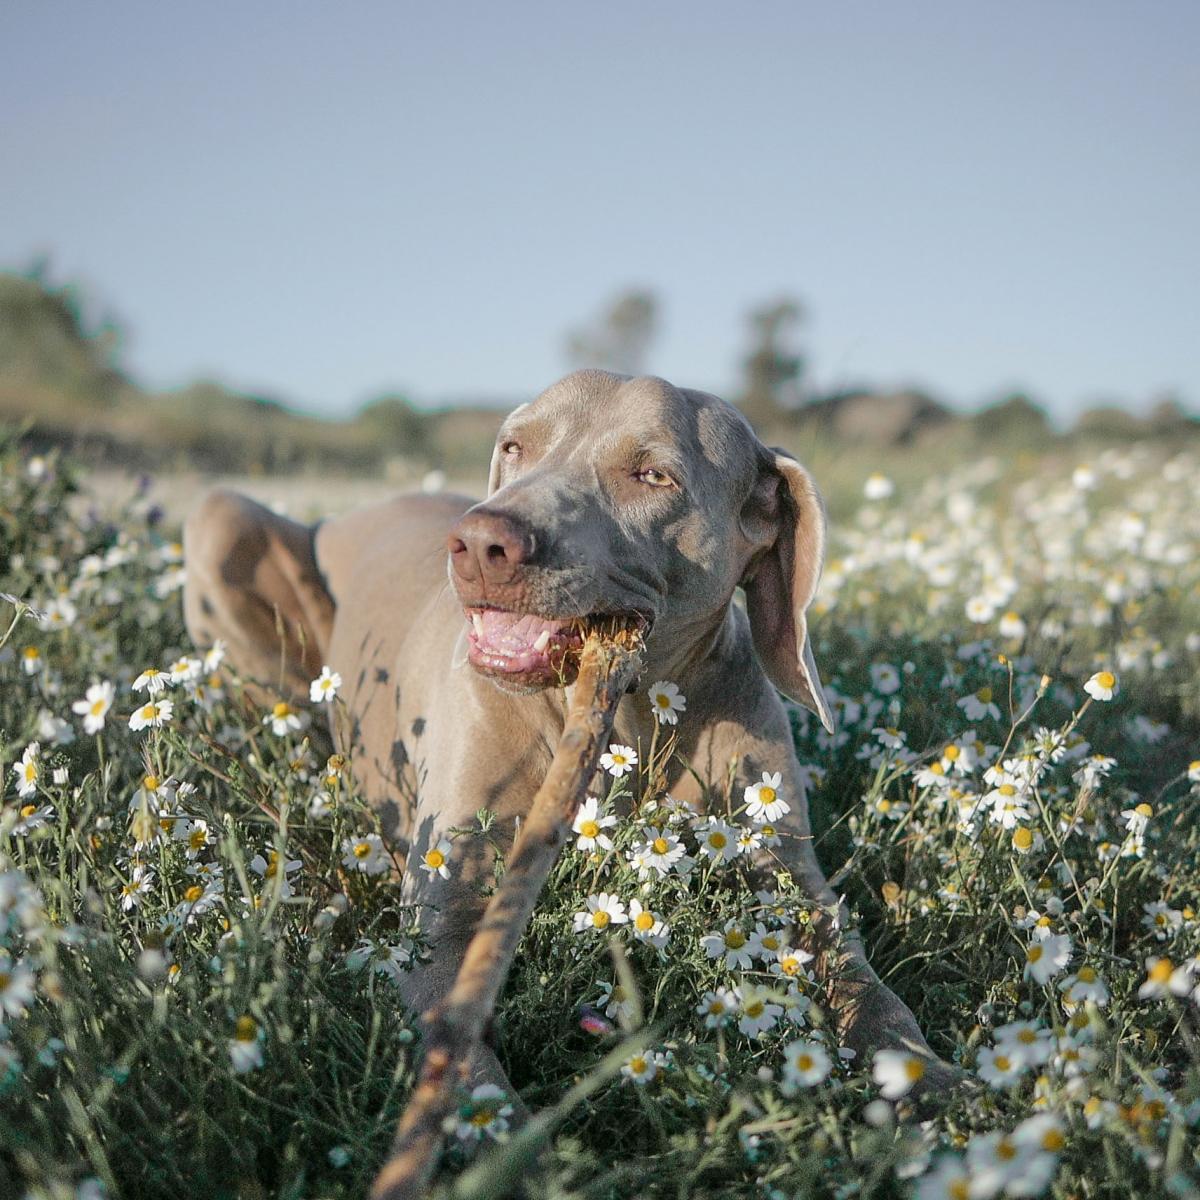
(323, 201)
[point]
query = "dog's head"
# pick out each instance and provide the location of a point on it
(633, 501)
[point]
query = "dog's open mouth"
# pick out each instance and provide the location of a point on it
(536, 651)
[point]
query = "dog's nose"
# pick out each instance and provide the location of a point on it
(489, 546)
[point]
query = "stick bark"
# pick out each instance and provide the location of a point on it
(455, 1026)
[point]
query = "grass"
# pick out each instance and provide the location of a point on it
(184, 901)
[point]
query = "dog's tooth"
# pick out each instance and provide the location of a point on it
(543, 641)
(477, 621)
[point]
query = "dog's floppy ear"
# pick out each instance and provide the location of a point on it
(785, 512)
(494, 469)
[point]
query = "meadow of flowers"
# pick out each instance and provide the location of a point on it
(200, 938)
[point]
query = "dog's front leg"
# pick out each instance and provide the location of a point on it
(868, 1015)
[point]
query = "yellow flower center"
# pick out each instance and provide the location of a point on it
(1034, 953)
(28, 810)
(1007, 789)
(984, 695)
(97, 708)
(662, 700)
(644, 921)
(1086, 975)
(1023, 839)
(197, 839)
(600, 918)
(282, 710)
(5, 978)
(1106, 679)
(958, 1189)
(1161, 971)
(804, 1062)
(1006, 1150)
(1028, 1036)
(952, 753)
(660, 845)
(1003, 1062)
(32, 652)
(789, 965)
(362, 849)
(149, 712)
(717, 840)
(435, 859)
(1144, 810)
(31, 772)
(246, 1029)
(914, 1069)
(589, 829)
(193, 893)
(637, 1064)
(735, 939)
(716, 1008)
(754, 1008)
(766, 795)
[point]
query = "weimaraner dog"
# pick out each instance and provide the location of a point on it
(607, 496)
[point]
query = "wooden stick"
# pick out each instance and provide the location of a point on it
(455, 1026)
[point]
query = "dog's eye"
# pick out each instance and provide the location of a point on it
(653, 478)
(510, 449)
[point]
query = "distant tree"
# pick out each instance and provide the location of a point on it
(1014, 418)
(395, 424)
(620, 339)
(773, 369)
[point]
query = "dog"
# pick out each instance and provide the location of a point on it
(452, 624)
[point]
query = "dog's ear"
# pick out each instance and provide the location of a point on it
(494, 469)
(785, 514)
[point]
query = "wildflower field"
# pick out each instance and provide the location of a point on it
(200, 940)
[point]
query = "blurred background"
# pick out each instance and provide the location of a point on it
(321, 249)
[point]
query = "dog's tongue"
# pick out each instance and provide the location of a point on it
(512, 641)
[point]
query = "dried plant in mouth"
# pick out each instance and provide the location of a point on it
(609, 662)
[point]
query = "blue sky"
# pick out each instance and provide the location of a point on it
(322, 202)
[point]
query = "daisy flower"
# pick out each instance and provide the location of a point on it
(616, 1001)
(1102, 686)
(979, 705)
(1027, 1040)
(272, 867)
(619, 760)
(947, 1181)
(140, 885)
(790, 962)
(642, 1067)
(1163, 978)
(730, 944)
(806, 1063)
(590, 824)
(245, 1047)
(896, 1072)
(878, 486)
(325, 686)
(764, 943)
(185, 670)
(193, 835)
(28, 770)
(757, 1014)
(32, 817)
(436, 859)
(660, 851)
(31, 660)
(718, 840)
(1000, 1067)
(17, 987)
(215, 656)
(648, 926)
(366, 854)
(1046, 957)
(486, 1114)
(151, 681)
(1084, 987)
(666, 702)
(763, 801)
(152, 715)
(716, 1007)
(282, 718)
(94, 706)
(602, 911)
